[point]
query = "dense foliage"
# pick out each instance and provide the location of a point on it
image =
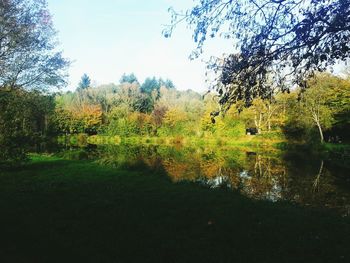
(277, 43)
(24, 121)
(29, 66)
(128, 110)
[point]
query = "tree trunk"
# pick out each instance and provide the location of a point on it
(258, 123)
(316, 119)
(46, 124)
(269, 117)
(321, 132)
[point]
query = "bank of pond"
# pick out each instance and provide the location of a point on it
(270, 170)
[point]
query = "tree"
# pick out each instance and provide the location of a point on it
(84, 83)
(338, 97)
(131, 78)
(90, 116)
(27, 47)
(144, 103)
(29, 64)
(78, 113)
(211, 105)
(262, 114)
(333, 95)
(149, 85)
(278, 42)
(130, 95)
(158, 116)
(314, 104)
(174, 116)
(256, 114)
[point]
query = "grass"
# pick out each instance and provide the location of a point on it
(55, 210)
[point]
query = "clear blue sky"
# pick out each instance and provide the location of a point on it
(106, 38)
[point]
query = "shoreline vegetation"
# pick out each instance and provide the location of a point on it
(169, 140)
(337, 154)
(255, 141)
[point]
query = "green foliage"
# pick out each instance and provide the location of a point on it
(174, 122)
(314, 105)
(233, 128)
(338, 101)
(78, 113)
(207, 123)
(24, 118)
(125, 111)
(323, 106)
(125, 123)
(29, 63)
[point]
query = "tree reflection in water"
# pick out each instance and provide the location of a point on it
(257, 174)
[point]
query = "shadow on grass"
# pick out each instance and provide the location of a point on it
(78, 211)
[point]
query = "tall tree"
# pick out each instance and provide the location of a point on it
(29, 63)
(28, 56)
(314, 103)
(277, 42)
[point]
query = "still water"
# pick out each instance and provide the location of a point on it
(259, 173)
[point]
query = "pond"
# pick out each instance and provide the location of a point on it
(258, 173)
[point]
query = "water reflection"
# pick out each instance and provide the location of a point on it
(257, 174)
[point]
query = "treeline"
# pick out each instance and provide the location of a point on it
(156, 108)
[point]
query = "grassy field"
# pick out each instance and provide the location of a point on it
(55, 210)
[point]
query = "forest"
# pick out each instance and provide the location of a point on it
(157, 109)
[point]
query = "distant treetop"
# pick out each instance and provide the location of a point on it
(85, 82)
(151, 84)
(131, 78)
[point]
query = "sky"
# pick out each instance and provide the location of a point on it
(106, 38)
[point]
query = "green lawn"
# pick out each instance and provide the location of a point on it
(55, 210)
